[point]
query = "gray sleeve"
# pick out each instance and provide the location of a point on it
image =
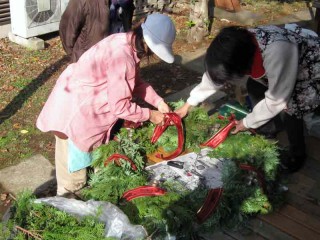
(280, 61)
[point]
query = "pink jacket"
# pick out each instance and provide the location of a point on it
(92, 94)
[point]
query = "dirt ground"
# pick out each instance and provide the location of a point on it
(27, 77)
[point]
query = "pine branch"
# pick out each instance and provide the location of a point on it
(29, 233)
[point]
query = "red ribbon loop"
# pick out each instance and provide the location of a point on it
(116, 157)
(130, 124)
(143, 191)
(260, 175)
(176, 120)
(158, 130)
(220, 136)
(209, 205)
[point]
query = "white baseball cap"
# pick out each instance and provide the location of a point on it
(159, 33)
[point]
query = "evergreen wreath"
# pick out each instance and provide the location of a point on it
(175, 212)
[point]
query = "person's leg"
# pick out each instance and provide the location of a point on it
(66, 182)
(127, 16)
(297, 149)
(115, 130)
(256, 92)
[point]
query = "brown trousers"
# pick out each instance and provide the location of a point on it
(67, 182)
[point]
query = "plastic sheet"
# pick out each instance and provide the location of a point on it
(117, 224)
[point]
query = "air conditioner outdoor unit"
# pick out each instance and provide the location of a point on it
(31, 18)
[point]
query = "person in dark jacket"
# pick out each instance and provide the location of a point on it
(121, 14)
(85, 22)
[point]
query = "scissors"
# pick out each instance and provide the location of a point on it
(176, 164)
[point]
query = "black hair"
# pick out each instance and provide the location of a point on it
(138, 44)
(230, 55)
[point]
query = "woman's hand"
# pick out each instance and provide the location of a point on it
(156, 117)
(183, 111)
(239, 127)
(163, 107)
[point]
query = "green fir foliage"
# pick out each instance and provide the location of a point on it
(175, 212)
(254, 150)
(257, 203)
(45, 222)
(111, 182)
(101, 154)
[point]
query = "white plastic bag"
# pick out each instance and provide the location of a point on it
(117, 223)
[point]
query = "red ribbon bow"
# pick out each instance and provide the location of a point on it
(176, 120)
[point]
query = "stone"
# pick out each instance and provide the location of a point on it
(4, 29)
(35, 173)
(33, 43)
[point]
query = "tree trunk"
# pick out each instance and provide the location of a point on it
(198, 22)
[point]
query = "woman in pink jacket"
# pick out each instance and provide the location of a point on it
(91, 95)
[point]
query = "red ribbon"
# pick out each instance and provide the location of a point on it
(260, 175)
(116, 158)
(176, 120)
(230, 118)
(158, 130)
(143, 191)
(209, 205)
(220, 136)
(130, 124)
